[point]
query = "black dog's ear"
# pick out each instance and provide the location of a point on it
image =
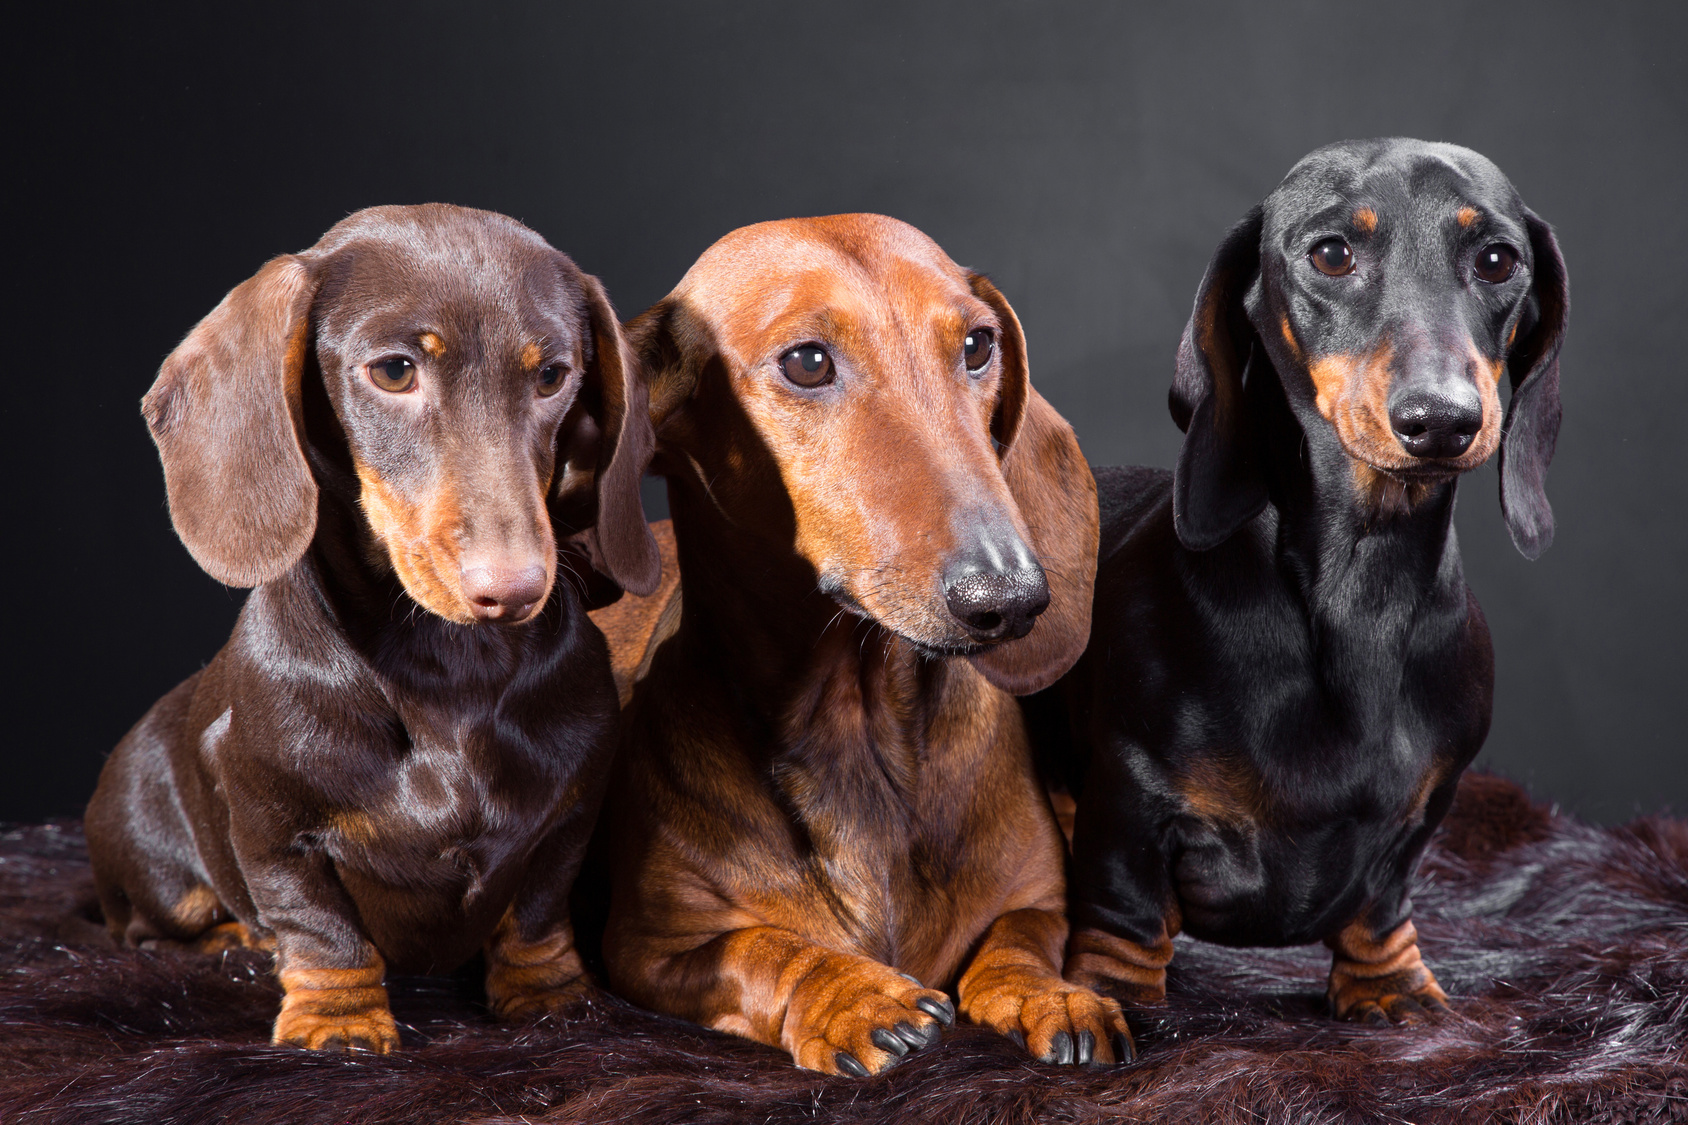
(1532, 419)
(1217, 486)
(609, 446)
(225, 412)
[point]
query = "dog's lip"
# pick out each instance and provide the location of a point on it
(1438, 470)
(1419, 471)
(930, 649)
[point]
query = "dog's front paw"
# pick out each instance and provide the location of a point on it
(1412, 996)
(529, 979)
(1383, 981)
(516, 995)
(361, 1028)
(336, 1010)
(1056, 1022)
(859, 1018)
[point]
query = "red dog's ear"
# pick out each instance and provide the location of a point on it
(1052, 486)
(1016, 371)
(225, 414)
(608, 444)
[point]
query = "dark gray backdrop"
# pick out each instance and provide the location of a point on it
(1087, 156)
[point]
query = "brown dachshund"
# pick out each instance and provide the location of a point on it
(399, 436)
(825, 814)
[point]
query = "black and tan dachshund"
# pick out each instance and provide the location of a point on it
(400, 436)
(1286, 672)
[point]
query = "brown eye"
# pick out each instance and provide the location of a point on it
(396, 375)
(551, 379)
(1332, 257)
(1495, 263)
(807, 365)
(977, 348)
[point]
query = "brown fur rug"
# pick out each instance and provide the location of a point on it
(1565, 947)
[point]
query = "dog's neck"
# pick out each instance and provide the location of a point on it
(1370, 577)
(1343, 530)
(801, 669)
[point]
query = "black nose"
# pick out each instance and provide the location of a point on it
(996, 604)
(1436, 423)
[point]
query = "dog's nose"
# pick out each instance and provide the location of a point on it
(996, 603)
(1436, 423)
(497, 593)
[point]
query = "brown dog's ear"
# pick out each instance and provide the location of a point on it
(608, 447)
(1056, 495)
(1016, 373)
(224, 412)
(1217, 486)
(1052, 486)
(1532, 418)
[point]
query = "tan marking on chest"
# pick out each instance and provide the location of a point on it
(1223, 791)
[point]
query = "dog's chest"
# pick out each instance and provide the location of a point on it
(457, 801)
(890, 815)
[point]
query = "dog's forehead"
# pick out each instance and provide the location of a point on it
(855, 273)
(445, 263)
(1395, 171)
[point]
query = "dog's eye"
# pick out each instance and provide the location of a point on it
(396, 375)
(807, 365)
(1495, 263)
(1332, 257)
(977, 349)
(551, 379)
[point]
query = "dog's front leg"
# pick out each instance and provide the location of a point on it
(1013, 984)
(334, 998)
(839, 1013)
(533, 968)
(1377, 975)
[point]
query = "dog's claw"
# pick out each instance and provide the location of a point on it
(1060, 1049)
(889, 1041)
(851, 1065)
(1085, 1050)
(916, 1037)
(941, 1010)
(1125, 1049)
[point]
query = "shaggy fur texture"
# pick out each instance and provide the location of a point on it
(1565, 948)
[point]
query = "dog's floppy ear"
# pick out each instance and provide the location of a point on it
(1532, 419)
(225, 413)
(1217, 486)
(1052, 486)
(607, 448)
(1016, 373)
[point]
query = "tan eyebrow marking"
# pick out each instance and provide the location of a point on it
(531, 355)
(1466, 216)
(1366, 219)
(432, 345)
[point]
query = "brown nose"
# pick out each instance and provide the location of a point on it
(506, 594)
